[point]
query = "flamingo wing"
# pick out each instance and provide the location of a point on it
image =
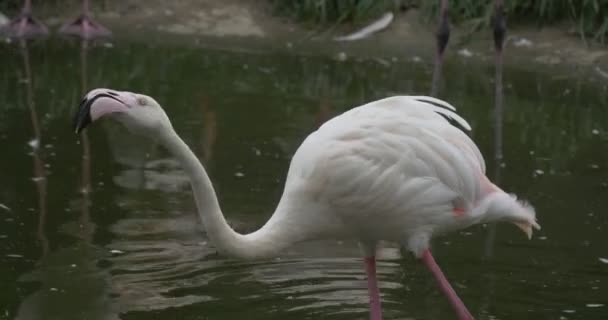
(398, 158)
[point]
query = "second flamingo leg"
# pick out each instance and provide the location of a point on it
(461, 310)
(443, 36)
(375, 306)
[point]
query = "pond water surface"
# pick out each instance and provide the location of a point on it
(105, 228)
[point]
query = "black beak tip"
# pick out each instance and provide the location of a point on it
(82, 118)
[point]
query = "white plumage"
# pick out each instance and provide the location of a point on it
(395, 169)
(392, 169)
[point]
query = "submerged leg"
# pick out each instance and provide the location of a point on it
(25, 26)
(84, 26)
(461, 310)
(375, 307)
(443, 36)
(500, 30)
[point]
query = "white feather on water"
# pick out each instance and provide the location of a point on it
(3, 19)
(365, 32)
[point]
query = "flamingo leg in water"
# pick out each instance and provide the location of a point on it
(375, 312)
(84, 26)
(461, 310)
(500, 30)
(443, 36)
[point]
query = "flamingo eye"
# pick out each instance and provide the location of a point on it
(142, 101)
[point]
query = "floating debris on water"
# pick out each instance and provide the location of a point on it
(4, 207)
(341, 56)
(523, 42)
(603, 260)
(239, 174)
(4, 20)
(14, 255)
(594, 305)
(34, 143)
(114, 251)
(601, 72)
(465, 52)
(383, 62)
(595, 132)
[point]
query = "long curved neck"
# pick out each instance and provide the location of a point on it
(265, 242)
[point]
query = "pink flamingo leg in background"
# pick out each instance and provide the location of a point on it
(372, 285)
(442, 37)
(461, 310)
(25, 26)
(84, 26)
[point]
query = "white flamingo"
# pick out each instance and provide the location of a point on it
(393, 169)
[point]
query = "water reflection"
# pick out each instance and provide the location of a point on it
(87, 228)
(144, 254)
(324, 113)
(39, 167)
(208, 132)
(70, 274)
(489, 275)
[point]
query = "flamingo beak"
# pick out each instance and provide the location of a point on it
(83, 117)
(527, 227)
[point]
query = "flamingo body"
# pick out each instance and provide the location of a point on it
(395, 169)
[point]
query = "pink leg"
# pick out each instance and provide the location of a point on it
(459, 307)
(375, 309)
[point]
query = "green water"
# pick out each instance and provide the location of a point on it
(132, 247)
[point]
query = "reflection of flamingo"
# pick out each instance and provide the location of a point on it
(443, 36)
(393, 170)
(499, 31)
(500, 28)
(209, 134)
(39, 170)
(25, 26)
(84, 26)
(324, 112)
(86, 226)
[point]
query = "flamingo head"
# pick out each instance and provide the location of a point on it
(141, 114)
(500, 206)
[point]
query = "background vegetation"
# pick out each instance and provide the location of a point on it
(589, 17)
